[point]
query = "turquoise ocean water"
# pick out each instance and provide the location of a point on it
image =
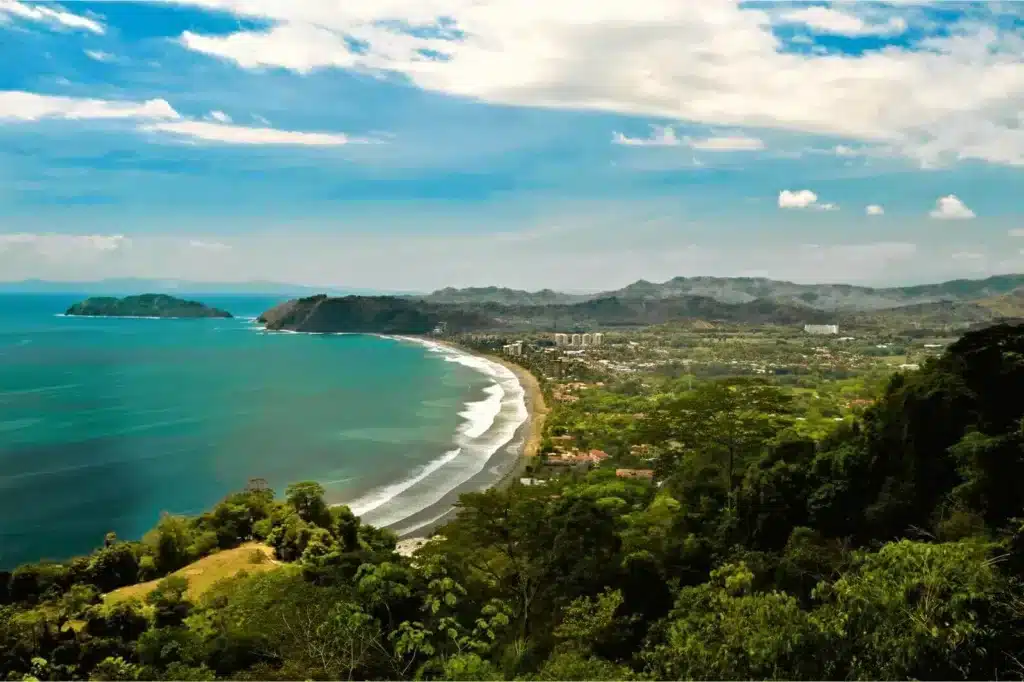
(106, 423)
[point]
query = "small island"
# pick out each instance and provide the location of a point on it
(146, 305)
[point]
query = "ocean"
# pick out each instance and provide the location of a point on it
(107, 423)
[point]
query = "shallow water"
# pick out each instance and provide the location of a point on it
(106, 423)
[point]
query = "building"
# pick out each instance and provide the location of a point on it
(634, 473)
(513, 348)
(587, 340)
(822, 329)
(576, 340)
(598, 338)
(561, 339)
(576, 458)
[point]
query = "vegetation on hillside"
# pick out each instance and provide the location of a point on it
(145, 305)
(891, 546)
(745, 301)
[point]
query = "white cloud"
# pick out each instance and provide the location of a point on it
(26, 106)
(99, 55)
(836, 22)
(802, 198)
(158, 116)
(666, 136)
(54, 16)
(231, 134)
(661, 136)
(736, 143)
(61, 246)
(207, 245)
(951, 208)
(968, 256)
(874, 209)
(220, 117)
(714, 62)
(1016, 232)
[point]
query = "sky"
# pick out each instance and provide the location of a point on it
(572, 144)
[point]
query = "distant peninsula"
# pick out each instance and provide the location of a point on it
(146, 305)
(365, 315)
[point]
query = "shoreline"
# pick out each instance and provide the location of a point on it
(512, 456)
(526, 440)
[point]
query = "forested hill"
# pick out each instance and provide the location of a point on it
(145, 305)
(828, 297)
(892, 548)
(394, 315)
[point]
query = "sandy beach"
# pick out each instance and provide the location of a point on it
(528, 436)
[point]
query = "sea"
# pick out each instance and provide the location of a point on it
(107, 423)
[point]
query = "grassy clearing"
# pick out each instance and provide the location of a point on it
(253, 557)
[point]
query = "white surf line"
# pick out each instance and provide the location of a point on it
(513, 398)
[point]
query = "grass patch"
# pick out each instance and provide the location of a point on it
(253, 557)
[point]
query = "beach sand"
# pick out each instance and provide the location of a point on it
(528, 435)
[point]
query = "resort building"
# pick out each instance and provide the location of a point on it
(513, 348)
(822, 329)
(579, 340)
(576, 458)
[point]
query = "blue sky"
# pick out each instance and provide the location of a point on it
(414, 144)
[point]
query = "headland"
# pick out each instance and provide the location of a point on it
(145, 305)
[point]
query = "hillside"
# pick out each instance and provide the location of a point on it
(146, 305)
(390, 315)
(736, 290)
(369, 315)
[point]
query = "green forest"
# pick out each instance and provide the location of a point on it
(890, 546)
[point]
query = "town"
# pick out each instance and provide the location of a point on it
(598, 384)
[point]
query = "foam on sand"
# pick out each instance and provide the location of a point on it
(490, 424)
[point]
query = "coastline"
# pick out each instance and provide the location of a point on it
(505, 464)
(526, 441)
(536, 407)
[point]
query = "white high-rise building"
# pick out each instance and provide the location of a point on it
(513, 348)
(598, 338)
(561, 339)
(587, 339)
(821, 329)
(577, 340)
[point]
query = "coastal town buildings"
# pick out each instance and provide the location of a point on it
(514, 349)
(822, 329)
(579, 340)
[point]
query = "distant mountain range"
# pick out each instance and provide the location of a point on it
(734, 290)
(131, 286)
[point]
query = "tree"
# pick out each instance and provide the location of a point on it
(726, 422)
(170, 606)
(115, 668)
(170, 542)
(724, 630)
(922, 611)
(114, 566)
(307, 498)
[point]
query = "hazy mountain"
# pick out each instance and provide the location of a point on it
(129, 286)
(408, 315)
(736, 290)
(503, 296)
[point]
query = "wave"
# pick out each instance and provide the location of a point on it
(490, 424)
(384, 495)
